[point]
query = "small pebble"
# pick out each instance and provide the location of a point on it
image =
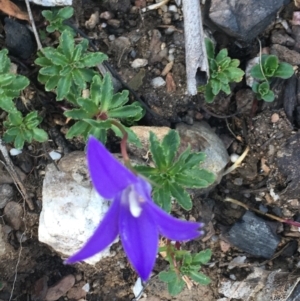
(54, 155)
(173, 8)
(138, 63)
(158, 82)
(275, 117)
(112, 37)
(238, 181)
(234, 157)
(15, 152)
(171, 58)
(86, 287)
(138, 287)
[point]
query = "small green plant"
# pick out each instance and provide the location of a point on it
(171, 176)
(21, 129)
(97, 113)
(183, 267)
(268, 68)
(10, 84)
(56, 18)
(66, 68)
(223, 71)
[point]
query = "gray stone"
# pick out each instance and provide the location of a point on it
(243, 19)
(6, 193)
(285, 54)
(253, 235)
(13, 215)
(158, 82)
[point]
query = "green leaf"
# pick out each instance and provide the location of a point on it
(170, 145)
(39, 135)
(181, 196)
(132, 137)
(199, 277)
(146, 171)
(187, 259)
(47, 14)
(95, 89)
(194, 159)
(209, 95)
(168, 276)
(77, 129)
(224, 63)
(210, 49)
(59, 59)
(175, 287)
(78, 79)
(268, 97)
(157, 152)
(162, 195)
(191, 181)
(202, 257)
(263, 88)
(19, 83)
(284, 70)
(234, 63)
(77, 53)
(216, 86)
(6, 79)
(65, 13)
(67, 44)
(225, 88)
(234, 74)
(50, 70)
(119, 99)
(222, 55)
(15, 118)
(106, 92)
(19, 141)
(88, 105)
(100, 134)
(77, 114)
(255, 87)
(256, 72)
(92, 59)
(7, 104)
(98, 124)
(13, 131)
(271, 63)
(63, 86)
(52, 83)
(222, 78)
(4, 61)
(125, 112)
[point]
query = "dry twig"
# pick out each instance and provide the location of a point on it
(10, 168)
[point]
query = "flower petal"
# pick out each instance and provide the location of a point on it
(108, 175)
(104, 235)
(173, 228)
(140, 240)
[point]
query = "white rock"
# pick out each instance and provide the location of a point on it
(138, 63)
(158, 82)
(138, 287)
(70, 214)
(173, 8)
(54, 155)
(52, 2)
(15, 152)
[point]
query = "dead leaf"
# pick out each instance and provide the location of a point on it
(12, 10)
(171, 86)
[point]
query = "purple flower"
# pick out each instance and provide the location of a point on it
(133, 215)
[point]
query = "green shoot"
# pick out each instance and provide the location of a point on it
(171, 176)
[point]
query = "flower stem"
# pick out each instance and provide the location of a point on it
(123, 143)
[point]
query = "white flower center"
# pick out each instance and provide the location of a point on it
(134, 203)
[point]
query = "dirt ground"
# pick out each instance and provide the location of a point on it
(238, 119)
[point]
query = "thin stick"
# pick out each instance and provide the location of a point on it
(10, 168)
(238, 162)
(36, 35)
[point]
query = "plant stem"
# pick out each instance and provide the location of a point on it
(123, 143)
